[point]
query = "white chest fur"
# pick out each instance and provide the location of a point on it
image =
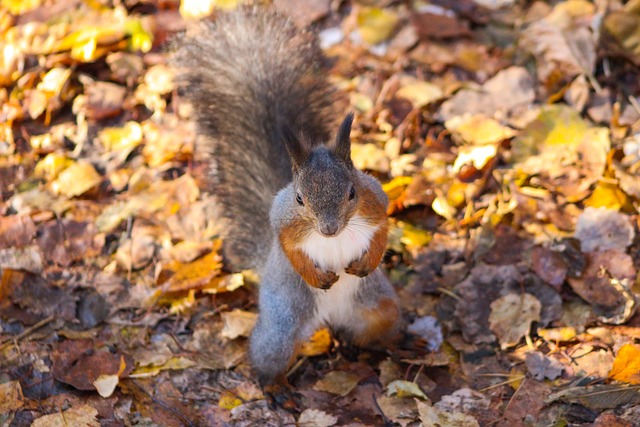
(335, 305)
(335, 253)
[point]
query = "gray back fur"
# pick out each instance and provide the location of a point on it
(250, 74)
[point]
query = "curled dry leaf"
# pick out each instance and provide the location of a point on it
(511, 317)
(338, 382)
(238, 323)
(316, 418)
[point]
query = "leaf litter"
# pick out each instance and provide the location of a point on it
(505, 134)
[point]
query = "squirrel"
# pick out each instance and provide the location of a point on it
(291, 203)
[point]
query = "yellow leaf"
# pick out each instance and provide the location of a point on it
(18, 7)
(396, 186)
(479, 129)
(557, 334)
(121, 139)
(626, 366)
(318, 343)
(420, 93)
(77, 179)
(441, 206)
(52, 165)
(175, 363)
(375, 24)
(477, 155)
(181, 305)
(229, 400)
(607, 195)
(195, 274)
(414, 237)
(403, 388)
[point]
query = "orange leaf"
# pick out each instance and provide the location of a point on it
(626, 366)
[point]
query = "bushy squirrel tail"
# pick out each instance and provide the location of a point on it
(249, 75)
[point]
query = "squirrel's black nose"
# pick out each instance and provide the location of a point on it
(329, 228)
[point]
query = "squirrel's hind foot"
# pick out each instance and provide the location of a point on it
(282, 396)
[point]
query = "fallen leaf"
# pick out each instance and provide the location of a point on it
(376, 25)
(626, 366)
(598, 397)
(318, 344)
(316, 418)
(28, 259)
(238, 323)
(479, 129)
(433, 416)
(420, 93)
(337, 382)
(542, 367)
(11, 397)
(600, 229)
(76, 180)
(511, 317)
(401, 388)
(80, 416)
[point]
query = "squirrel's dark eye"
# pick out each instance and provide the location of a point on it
(352, 193)
(299, 199)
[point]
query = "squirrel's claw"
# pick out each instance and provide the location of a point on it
(282, 397)
(359, 267)
(327, 279)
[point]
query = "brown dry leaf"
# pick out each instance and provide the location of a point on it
(511, 317)
(563, 42)
(80, 416)
(303, 12)
(103, 100)
(136, 253)
(505, 94)
(16, 230)
(76, 180)
(400, 410)
(81, 362)
(338, 382)
(28, 259)
(11, 397)
(598, 397)
(316, 418)
(626, 366)
(526, 403)
(238, 323)
(549, 265)
(624, 26)
(600, 229)
(542, 367)
(318, 344)
(595, 287)
(433, 416)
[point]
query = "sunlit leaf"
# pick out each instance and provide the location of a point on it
(376, 25)
(420, 93)
(318, 344)
(626, 366)
(403, 388)
(77, 179)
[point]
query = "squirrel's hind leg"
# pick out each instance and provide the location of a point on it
(376, 314)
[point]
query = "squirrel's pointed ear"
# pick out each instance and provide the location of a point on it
(343, 141)
(295, 148)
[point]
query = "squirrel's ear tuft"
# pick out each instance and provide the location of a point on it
(343, 141)
(295, 148)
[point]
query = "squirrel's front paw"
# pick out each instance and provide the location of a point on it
(359, 267)
(326, 279)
